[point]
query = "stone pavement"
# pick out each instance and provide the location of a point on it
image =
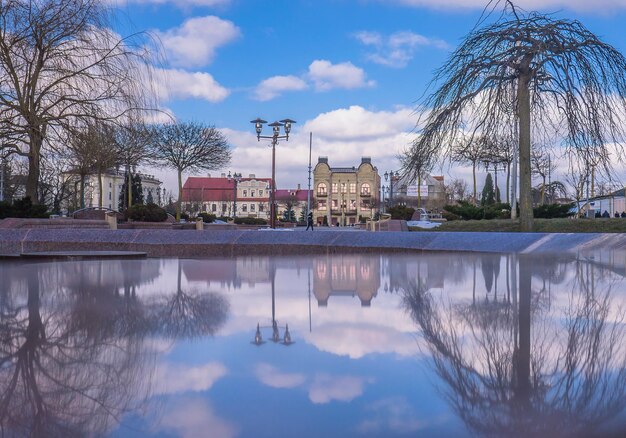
(191, 243)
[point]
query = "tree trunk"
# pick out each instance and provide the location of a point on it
(101, 200)
(522, 357)
(508, 182)
(419, 191)
(130, 189)
(34, 169)
(543, 191)
(180, 195)
(82, 191)
(474, 177)
(523, 110)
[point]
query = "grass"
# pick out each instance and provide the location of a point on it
(598, 225)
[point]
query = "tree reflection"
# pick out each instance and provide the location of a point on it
(529, 371)
(188, 313)
(75, 354)
(60, 380)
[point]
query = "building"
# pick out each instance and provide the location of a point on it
(225, 196)
(346, 276)
(112, 182)
(432, 193)
(343, 195)
(296, 199)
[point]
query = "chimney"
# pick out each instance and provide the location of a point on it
(251, 175)
(223, 175)
(208, 175)
(366, 160)
(298, 186)
(322, 160)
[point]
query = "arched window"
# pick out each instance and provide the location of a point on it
(322, 189)
(366, 189)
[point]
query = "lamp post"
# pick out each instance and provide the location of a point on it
(391, 175)
(276, 338)
(236, 177)
(286, 125)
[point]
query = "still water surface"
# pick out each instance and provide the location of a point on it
(391, 345)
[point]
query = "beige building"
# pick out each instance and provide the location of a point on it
(345, 194)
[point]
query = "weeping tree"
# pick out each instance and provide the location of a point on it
(189, 147)
(529, 75)
(60, 64)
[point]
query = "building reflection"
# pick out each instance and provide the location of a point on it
(346, 276)
(523, 368)
(75, 342)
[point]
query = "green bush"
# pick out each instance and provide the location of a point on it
(401, 212)
(250, 221)
(146, 213)
(23, 208)
(466, 211)
(207, 217)
(553, 211)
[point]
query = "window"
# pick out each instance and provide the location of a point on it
(353, 188)
(335, 188)
(366, 190)
(352, 204)
(109, 196)
(214, 208)
(252, 193)
(260, 193)
(110, 185)
(244, 208)
(335, 204)
(223, 208)
(261, 208)
(322, 190)
(245, 193)
(321, 205)
(343, 187)
(252, 207)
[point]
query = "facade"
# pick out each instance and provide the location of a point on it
(112, 182)
(432, 192)
(294, 198)
(343, 195)
(223, 196)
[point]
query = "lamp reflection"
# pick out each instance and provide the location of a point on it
(276, 338)
(524, 370)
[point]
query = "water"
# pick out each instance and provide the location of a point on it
(392, 345)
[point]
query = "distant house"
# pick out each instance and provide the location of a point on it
(612, 203)
(225, 196)
(296, 199)
(432, 192)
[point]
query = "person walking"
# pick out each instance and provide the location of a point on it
(309, 221)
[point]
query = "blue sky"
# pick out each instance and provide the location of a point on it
(349, 71)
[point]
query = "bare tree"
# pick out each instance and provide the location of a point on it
(542, 166)
(60, 66)
(456, 190)
(515, 71)
(189, 147)
(469, 151)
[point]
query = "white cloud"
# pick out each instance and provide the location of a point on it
(195, 417)
(180, 84)
(173, 379)
(271, 376)
(577, 5)
(194, 43)
(327, 76)
(397, 49)
(326, 388)
(274, 86)
(358, 123)
(395, 414)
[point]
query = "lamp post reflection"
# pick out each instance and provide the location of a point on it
(285, 339)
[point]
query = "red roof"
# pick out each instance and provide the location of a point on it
(203, 189)
(299, 194)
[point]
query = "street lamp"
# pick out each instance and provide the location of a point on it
(236, 177)
(258, 125)
(390, 175)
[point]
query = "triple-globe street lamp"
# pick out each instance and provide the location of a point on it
(286, 125)
(390, 175)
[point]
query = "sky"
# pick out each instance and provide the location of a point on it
(351, 72)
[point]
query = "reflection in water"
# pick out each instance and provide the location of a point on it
(519, 369)
(73, 352)
(346, 275)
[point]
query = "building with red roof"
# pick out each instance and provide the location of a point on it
(225, 196)
(296, 199)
